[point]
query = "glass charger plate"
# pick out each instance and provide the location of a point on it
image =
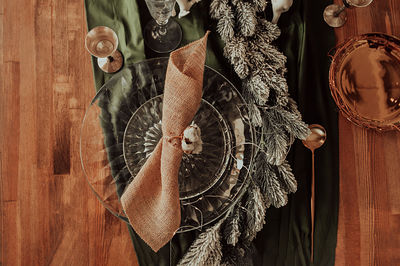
(130, 91)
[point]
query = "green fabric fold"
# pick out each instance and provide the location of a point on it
(305, 40)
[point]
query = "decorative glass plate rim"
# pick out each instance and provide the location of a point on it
(107, 86)
(337, 95)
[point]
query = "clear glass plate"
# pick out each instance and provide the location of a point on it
(135, 90)
(198, 172)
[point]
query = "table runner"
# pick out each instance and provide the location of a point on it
(305, 40)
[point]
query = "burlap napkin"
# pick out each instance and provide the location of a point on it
(151, 201)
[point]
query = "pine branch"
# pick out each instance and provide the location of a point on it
(226, 24)
(232, 227)
(287, 176)
(217, 8)
(256, 58)
(267, 180)
(260, 5)
(275, 193)
(276, 141)
(273, 57)
(206, 249)
(265, 33)
(246, 18)
(260, 90)
(235, 50)
(255, 215)
(235, 2)
(291, 121)
(292, 108)
(255, 115)
(269, 31)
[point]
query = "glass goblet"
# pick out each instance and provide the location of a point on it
(336, 16)
(102, 42)
(162, 34)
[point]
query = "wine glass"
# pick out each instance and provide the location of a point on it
(102, 42)
(335, 15)
(162, 35)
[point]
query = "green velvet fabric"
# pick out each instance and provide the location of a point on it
(305, 40)
(285, 239)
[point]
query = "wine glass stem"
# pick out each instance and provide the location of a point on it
(159, 31)
(162, 29)
(312, 206)
(341, 9)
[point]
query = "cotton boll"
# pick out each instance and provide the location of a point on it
(191, 142)
(198, 148)
(187, 147)
(193, 133)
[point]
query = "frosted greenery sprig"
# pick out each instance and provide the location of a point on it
(249, 47)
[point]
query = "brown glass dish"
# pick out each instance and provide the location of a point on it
(365, 80)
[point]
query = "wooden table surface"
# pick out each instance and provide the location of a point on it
(369, 207)
(48, 214)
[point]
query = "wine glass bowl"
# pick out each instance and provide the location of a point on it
(102, 42)
(336, 16)
(161, 34)
(161, 11)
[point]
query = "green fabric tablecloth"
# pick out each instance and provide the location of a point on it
(305, 40)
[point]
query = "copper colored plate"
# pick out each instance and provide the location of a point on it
(365, 80)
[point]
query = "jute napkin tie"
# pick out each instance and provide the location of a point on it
(151, 200)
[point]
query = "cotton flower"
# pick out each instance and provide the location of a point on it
(191, 142)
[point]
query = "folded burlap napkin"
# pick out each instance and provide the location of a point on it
(151, 200)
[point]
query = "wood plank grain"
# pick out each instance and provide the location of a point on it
(43, 69)
(369, 163)
(48, 214)
(9, 157)
(62, 87)
(2, 138)
(62, 129)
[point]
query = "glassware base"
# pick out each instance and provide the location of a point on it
(163, 43)
(335, 21)
(112, 63)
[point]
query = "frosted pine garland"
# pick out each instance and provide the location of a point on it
(249, 48)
